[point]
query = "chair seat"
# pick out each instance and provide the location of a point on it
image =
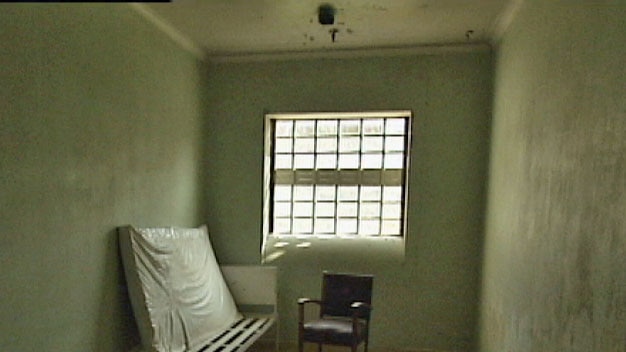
(333, 331)
(344, 312)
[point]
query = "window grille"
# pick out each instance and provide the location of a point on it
(337, 173)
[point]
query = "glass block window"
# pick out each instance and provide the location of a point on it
(337, 173)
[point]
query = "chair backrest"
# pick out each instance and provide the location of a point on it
(339, 291)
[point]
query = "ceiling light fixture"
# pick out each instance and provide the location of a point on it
(326, 14)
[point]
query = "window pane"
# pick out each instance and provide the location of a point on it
(305, 128)
(325, 209)
(370, 210)
(284, 128)
(325, 193)
(349, 144)
(371, 161)
(282, 208)
(373, 126)
(282, 161)
(370, 193)
(324, 225)
(303, 209)
(395, 144)
(327, 127)
(282, 225)
(282, 192)
(348, 193)
(304, 145)
(326, 161)
(302, 192)
(283, 145)
(325, 145)
(372, 144)
(348, 161)
(347, 226)
(350, 127)
(303, 161)
(355, 148)
(391, 227)
(303, 225)
(395, 126)
(392, 194)
(369, 227)
(394, 161)
(347, 209)
(392, 211)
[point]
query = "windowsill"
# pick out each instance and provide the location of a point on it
(330, 247)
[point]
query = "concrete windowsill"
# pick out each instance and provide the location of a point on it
(281, 247)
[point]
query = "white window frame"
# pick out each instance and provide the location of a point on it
(379, 175)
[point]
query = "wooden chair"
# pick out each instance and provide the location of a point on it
(344, 309)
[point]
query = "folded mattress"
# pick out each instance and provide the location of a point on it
(179, 297)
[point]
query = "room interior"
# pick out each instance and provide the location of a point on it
(114, 115)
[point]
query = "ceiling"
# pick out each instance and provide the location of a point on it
(230, 27)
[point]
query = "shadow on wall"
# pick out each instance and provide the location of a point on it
(116, 330)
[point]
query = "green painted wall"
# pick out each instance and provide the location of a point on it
(100, 125)
(555, 250)
(429, 300)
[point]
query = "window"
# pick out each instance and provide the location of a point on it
(336, 174)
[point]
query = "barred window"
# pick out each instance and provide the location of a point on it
(337, 173)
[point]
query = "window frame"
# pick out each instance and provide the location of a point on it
(268, 167)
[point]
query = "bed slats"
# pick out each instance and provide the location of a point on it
(240, 335)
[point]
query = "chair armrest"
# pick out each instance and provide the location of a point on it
(302, 301)
(356, 308)
(360, 305)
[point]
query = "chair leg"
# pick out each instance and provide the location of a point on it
(300, 333)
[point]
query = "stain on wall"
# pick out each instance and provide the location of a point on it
(555, 250)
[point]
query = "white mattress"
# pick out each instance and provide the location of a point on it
(178, 294)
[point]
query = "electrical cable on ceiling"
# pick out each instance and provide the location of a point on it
(326, 16)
